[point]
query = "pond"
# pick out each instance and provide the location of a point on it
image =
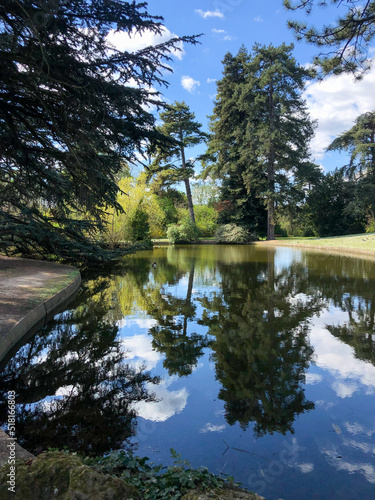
(256, 362)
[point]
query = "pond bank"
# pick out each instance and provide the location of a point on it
(31, 291)
(361, 245)
(63, 475)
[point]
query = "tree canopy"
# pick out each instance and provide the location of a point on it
(73, 109)
(261, 129)
(347, 41)
(170, 163)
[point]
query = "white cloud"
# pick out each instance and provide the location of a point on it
(136, 41)
(210, 13)
(214, 30)
(212, 428)
(335, 103)
(344, 390)
(366, 469)
(189, 83)
(258, 19)
(169, 402)
(141, 351)
(211, 80)
(305, 468)
(228, 37)
(313, 378)
(349, 372)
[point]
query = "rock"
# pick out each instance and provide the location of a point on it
(229, 493)
(62, 476)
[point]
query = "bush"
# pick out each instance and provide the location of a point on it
(137, 227)
(185, 232)
(206, 219)
(370, 223)
(230, 233)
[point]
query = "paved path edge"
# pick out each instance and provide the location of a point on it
(38, 315)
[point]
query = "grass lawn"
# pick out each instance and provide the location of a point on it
(357, 242)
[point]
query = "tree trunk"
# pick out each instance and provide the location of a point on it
(190, 200)
(187, 186)
(188, 297)
(270, 220)
(271, 171)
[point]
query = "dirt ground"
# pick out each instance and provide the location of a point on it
(25, 283)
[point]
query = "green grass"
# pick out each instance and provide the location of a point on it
(357, 242)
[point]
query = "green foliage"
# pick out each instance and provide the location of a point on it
(347, 41)
(185, 232)
(206, 192)
(230, 233)
(332, 209)
(260, 134)
(137, 227)
(169, 211)
(170, 164)
(370, 223)
(156, 482)
(68, 129)
(359, 142)
(206, 219)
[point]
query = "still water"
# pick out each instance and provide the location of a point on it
(255, 362)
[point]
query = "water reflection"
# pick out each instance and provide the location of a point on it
(261, 351)
(276, 335)
(73, 385)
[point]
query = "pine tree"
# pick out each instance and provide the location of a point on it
(261, 128)
(73, 109)
(230, 148)
(170, 162)
(348, 39)
(282, 126)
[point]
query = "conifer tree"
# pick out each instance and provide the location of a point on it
(359, 142)
(345, 44)
(261, 127)
(73, 110)
(170, 162)
(230, 148)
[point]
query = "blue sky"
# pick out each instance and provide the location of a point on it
(227, 24)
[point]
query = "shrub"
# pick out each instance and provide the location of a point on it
(230, 233)
(137, 227)
(370, 223)
(206, 219)
(185, 232)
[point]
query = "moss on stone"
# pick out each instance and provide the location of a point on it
(227, 493)
(62, 476)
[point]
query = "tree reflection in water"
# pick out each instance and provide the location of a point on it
(261, 351)
(73, 386)
(75, 389)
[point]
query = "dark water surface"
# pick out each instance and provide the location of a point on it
(254, 362)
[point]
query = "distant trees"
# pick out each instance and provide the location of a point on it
(347, 40)
(331, 207)
(73, 108)
(359, 142)
(170, 162)
(260, 132)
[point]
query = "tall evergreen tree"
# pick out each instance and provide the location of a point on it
(170, 163)
(270, 126)
(73, 109)
(230, 148)
(282, 126)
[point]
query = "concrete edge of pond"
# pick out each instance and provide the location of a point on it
(10, 450)
(37, 317)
